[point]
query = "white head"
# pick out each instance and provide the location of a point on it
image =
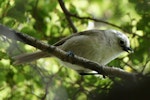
(119, 40)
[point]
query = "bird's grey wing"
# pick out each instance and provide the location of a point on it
(88, 32)
(40, 54)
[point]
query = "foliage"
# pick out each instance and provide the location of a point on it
(44, 19)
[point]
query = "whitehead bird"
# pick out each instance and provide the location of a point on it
(101, 46)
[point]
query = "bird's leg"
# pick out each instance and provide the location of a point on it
(82, 73)
(70, 53)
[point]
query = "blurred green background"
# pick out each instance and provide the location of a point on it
(48, 79)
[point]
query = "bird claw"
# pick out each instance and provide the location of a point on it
(70, 53)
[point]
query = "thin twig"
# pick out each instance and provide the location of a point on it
(62, 5)
(144, 66)
(96, 20)
(69, 14)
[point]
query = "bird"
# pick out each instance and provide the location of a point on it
(101, 46)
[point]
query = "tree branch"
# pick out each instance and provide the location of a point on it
(62, 5)
(104, 70)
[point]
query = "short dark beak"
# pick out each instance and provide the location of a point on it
(128, 49)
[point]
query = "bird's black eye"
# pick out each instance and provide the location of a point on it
(121, 42)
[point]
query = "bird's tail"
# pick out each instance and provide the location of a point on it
(24, 58)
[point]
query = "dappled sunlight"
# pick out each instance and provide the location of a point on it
(48, 78)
